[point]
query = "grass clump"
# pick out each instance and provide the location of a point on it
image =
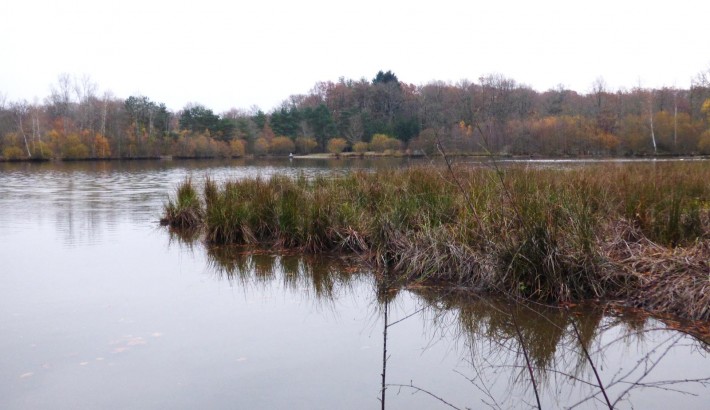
(185, 211)
(553, 235)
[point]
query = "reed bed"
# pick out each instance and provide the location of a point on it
(640, 232)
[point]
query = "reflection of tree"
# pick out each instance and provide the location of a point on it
(564, 347)
(508, 345)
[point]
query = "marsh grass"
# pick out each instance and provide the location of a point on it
(553, 235)
(185, 211)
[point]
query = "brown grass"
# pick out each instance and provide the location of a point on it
(637, 231)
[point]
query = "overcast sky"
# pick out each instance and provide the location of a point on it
(238, 54)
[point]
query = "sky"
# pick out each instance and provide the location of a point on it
(257, 53)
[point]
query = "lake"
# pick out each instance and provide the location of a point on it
(100, 307)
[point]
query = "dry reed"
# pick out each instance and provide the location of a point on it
(639, 232)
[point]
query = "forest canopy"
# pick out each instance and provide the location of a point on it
(495, 115)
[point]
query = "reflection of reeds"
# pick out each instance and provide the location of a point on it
(324, 276)
(539, 234)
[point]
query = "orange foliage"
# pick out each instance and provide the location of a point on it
(101, 147)
(608, 141)
(281, 146)
(267, 133)
(238, 147)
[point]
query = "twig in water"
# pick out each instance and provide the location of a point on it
(419, 389)
(591, 363)
(527, 361)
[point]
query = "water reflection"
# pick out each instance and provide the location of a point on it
(568, 349)
(321, 278)
(505, 346)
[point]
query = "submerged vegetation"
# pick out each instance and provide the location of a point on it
(639, 234)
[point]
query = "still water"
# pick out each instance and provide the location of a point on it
(102, 308)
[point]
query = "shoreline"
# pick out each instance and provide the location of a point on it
(374, 155)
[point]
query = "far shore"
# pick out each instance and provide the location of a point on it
(358, 155)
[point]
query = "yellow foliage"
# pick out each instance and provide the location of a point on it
(74, 148)
(337, 145)
(706, 107)
(382, 142)
(360, 147)
(238, 147)
(13, 152)
(305, 145)
(636, 133)
(41, 150)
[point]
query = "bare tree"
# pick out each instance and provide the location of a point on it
(599, 89)
(650, 119)
(85, 91)
(20, 110)
(60, 98)
(36, 109)
(675, 118)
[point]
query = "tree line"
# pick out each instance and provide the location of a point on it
(495, 115)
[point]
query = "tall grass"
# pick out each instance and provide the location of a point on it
(534, 233)
(185, 211)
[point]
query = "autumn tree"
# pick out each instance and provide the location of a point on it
(11, 147)
(337, 145)
(699, 94)
(360, 147)
(382, 142)
(305, 145)
(20, 112)
(704, 140)
(281, 146)
(494, 114)
(261, 146)
(147, 116)
(238, 147)
(425, 142)
(74, 148)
